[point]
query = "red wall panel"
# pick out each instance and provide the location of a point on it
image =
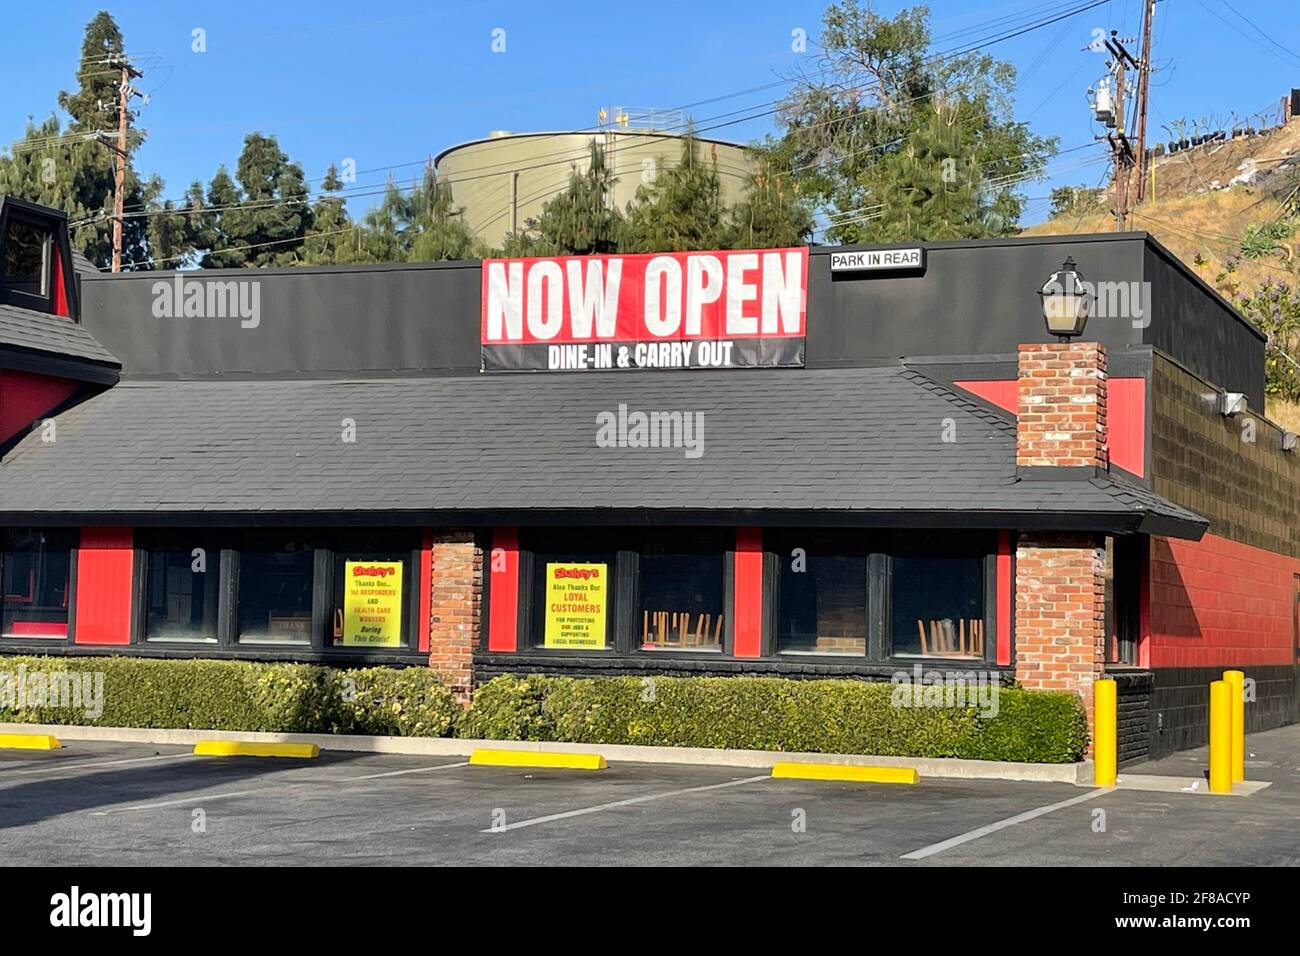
(503, 591)
(426, 592)
(103, 597)
(1006, 583)
(747, 602)
(25, 397)
(1217, 602)
(1126, 415)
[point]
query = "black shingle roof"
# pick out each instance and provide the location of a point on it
(866, 442)
(51, 334)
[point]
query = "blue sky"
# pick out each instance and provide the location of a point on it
(392, 83)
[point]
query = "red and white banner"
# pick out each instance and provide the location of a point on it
(668, 310)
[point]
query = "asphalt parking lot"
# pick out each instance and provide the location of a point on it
(137, 805)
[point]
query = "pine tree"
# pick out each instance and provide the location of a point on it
(329, 239)
(434, 229)
(681, 210)
(579, 221)
(72, 167)
(772, 214)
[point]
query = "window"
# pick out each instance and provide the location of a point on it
(937, 604)
(1122, 579)
(681, 586)
(36, 574)
(821, 595)
(27, 253)
(276, 588)
(182, 591)
(573, 596)
(372, 587)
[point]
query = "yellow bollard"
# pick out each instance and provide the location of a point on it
(1220, 737)
(1237, 681)
(1104, 721)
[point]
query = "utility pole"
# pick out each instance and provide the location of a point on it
(124, 93)
(1120, 147)
(1144, 81)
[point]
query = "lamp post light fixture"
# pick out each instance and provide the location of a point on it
(1066, 301)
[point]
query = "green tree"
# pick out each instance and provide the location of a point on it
(582, 220)
(864, 130)
(1274, 308)
(263, 220)
(330, 237)
(72, 167)
(681, 210)
(772, 213)
(434, 230)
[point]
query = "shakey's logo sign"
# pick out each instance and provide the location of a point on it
(670, 310)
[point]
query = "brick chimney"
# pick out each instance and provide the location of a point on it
(1062, 399)
(1060, 594)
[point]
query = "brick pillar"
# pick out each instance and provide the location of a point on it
(1062, 398)
(455, 605)
(1060, 613)
(1060, 595)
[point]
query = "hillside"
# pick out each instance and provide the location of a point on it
(1202, 202)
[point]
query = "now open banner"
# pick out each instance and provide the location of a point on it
(683, 310)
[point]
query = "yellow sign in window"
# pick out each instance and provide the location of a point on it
(372, 603)
(575, 605)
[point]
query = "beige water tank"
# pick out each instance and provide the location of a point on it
(503, 180)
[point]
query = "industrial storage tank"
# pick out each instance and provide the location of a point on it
(500, 182)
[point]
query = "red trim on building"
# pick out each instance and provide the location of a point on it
(747, 598)
(1004, 393)
(1005, 586)
(105, 561)
(426, 591)
(38, 629)
(503, 594)
(60, 286)
(25, 397)
(1126, 415)
(1217, 602)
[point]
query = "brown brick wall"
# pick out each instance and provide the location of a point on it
(1062, 397)
(1060, 613)
(455, 608)
(1250, 491)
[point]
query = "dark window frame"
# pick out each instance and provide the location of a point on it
(779, 546)
(978, 545)
(24, 643)
(624, 614)
(53, 248)
(328, 546)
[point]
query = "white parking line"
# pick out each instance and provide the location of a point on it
(621, 803)
(188, 801)
(90, 765)
(984, 831)
(398, 773)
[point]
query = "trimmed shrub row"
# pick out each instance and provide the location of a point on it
(768, 713)
(227, 695)
(750, 713)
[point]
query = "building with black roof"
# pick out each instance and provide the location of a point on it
(809, 462)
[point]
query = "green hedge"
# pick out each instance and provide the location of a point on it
(768, 713)
(241, 695)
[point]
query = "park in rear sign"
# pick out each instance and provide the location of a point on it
(879, 260)
(677, 310)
